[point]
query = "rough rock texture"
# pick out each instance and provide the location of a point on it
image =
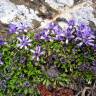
(58, 3)
(24, 11)
(9, 12)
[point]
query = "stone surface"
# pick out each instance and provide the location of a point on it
(11, 13)
(68, 9)
(60, 2)
(84, 13)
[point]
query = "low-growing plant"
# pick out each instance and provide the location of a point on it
(54, 56)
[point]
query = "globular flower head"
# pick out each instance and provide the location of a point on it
(69, 35)
(26, 84)
(57, 29)
(45, 35)
(38, 36)
(21, 27)
(24, 42)
(59, 34)
(50, 26)
(85, 35)
(71, 22)
(59, 38)
(37, 53)
(2, 42)
(81, 26)
(12, 28)
(17, 28)
(52, 32)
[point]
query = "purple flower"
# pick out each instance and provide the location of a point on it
(50, 26)
(45, 35)
(81, 26)
(37, 36)
(69, 35)
(85, 35)
(60, 34)
(37, 53)
(24, 42)
(71, 22)
(52, 32)
(22, 27)
(2, 42)
(57, 29)
(17, 28)
(12, 28)
(26, 84)
(82, 33)
(59, 38)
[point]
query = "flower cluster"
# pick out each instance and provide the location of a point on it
(85, 35)
(82, 33)
(50, 33)
(25, 42)
(17, 28)
(53, 50)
